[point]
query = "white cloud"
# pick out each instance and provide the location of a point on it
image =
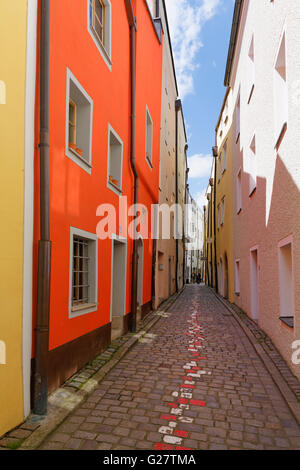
(201, 199)
(186, 19)
(200, 166)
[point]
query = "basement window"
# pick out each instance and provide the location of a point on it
(79, 119)
(83, 272)
(149, 138)
(280, 94)
(286, 282)
(115, 161)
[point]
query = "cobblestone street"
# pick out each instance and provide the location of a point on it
(193, 382)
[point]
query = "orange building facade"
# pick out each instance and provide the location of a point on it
(90, 151)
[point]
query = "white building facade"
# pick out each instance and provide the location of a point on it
(263, 71)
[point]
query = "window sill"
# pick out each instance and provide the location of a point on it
(288, 321)
(114, 188)
(79, 308)
(239, 211)
(80, 157)
(251, 94)
(238, 294)
(237, 138)
(252, 192)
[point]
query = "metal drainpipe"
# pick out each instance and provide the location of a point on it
(215, 154)
(177, 109)
(40, 378)
(132, 24)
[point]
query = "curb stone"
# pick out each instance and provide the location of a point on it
(64, 401)
(277, 378)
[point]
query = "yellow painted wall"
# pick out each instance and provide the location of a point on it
(225, 188)
(13, 28)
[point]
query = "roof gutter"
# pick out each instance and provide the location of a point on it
(233, 39)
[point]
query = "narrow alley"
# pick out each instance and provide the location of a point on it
(193, 382)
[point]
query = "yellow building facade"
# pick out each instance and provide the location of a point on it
(224, 201)
(18, 24)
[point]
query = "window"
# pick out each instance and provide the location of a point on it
(219, 167)
(166, 132)
(286, 282)
(99, 27)
(219, 212)
(83, 272)
(79, 119)
(224, 158)
(252, 166)
(280, 93)
(238, 118)
(149, 138)
(251, 69)
(115, 161)
(239, 192)
(223, 211)
(237, 277)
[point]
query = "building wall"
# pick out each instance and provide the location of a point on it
(182, 166)
(14, 174)
(166, 249)
(74, 193)
(224, 189)
(268, 216)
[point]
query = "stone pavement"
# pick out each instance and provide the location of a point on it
(193, 382)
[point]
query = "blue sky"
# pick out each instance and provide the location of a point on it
(200, 31)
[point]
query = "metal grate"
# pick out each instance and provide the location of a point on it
(80, 286)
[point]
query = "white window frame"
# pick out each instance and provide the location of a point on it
(251, 69)
(224, 159)
(106, 48)
(85, 164)
(239, 193)
(282, 244)
(93, 275)
(223, 211)
(237, 286)
(149, 159)
(116, 189)
(252, 167)
(280, 94)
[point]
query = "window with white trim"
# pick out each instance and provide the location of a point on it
(286, 282)
(224, 160)
(79, 123)
(219, 166)
(219, 212)
(149, 137)
(238, 118)
(115, 161)
(99, 26)
(239, 192)
(250, 69)
(223, 211)
(280, 92)
(237, 277)
(252, 166)
(83, 272)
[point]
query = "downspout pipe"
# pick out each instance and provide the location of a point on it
(134, 285)
(40, 377)
(215, 155)
(178, 107)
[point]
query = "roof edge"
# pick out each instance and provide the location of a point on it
(233, 39)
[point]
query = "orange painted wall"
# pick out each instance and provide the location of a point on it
(74, 194)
